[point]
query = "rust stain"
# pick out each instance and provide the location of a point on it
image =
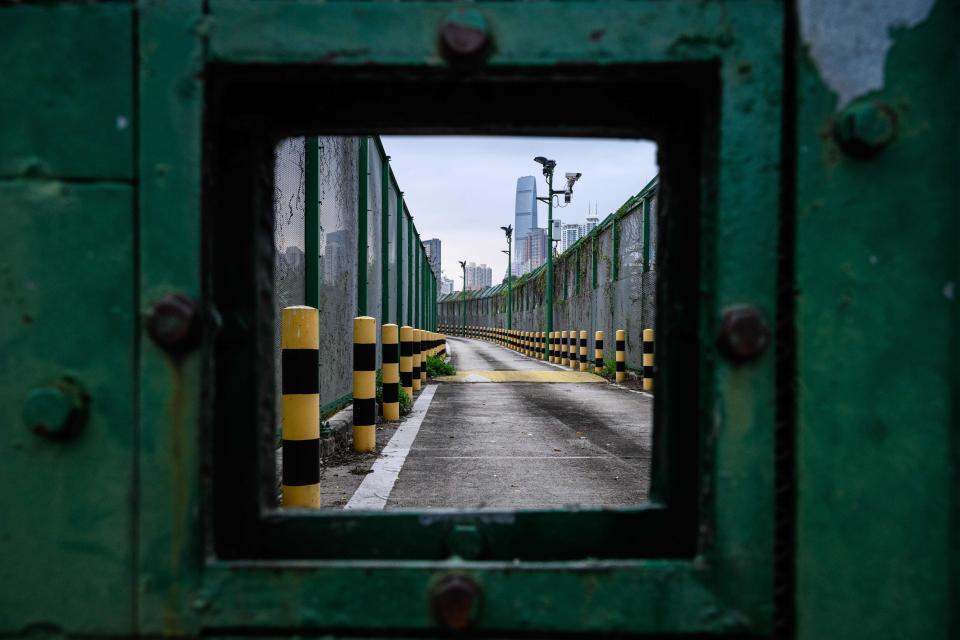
(176, 411)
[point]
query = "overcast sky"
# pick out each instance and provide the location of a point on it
(463, 189)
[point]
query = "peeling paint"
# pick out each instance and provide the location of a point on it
(848, 41)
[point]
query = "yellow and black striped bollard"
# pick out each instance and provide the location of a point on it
(563, 349)
(583, 351)
(300, 405)
(390, 356)
(598, 352)
(364, 384)
(423, 357)
(621, 354)
(416, 361)
(573, 349)
(406, 360)
(648, 362)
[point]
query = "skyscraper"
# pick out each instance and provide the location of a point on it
(478, 276)
(446, 286)
(432, 249)
(535, 248)
(525, 218)
(592, 223)
(571, 233)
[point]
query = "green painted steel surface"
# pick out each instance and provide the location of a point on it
(66, 524)
(66, 97)
(100, 187)
(877, 246)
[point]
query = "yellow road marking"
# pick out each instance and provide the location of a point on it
(520, 376)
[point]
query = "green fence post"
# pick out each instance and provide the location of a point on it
(646, 235)
(410, 272)
(399, 249)
(417, 282)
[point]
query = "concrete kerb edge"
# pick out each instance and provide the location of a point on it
(341, 431)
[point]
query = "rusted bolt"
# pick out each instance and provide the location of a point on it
(57, 411)
(456, 601)
(464, 36)
(174, 323)
(744, 334)
(862, 130)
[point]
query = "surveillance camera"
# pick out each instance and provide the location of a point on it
(573, 177)
(541, 160)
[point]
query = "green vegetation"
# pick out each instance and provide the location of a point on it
(406, 404)
(437, 366)
(609, 370)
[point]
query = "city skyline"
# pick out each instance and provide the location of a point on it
(477, 194)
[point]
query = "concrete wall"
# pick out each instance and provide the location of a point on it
(627, 301)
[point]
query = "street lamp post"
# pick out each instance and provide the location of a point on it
(509, 231)
(463, 314)
(548, 167)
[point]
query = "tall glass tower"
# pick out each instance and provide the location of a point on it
(525, 218)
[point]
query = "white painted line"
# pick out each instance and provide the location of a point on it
(373, 492)
(534, 457)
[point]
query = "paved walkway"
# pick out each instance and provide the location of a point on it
(535, 436)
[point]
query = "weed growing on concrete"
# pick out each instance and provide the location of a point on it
(437, 366)
(406, 404)
(609, 370)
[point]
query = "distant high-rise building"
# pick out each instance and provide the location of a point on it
(432, 249)
(571, 233)
(525, 218)
(478, 276)
(446, 286)
(535, 248)
(592, 223)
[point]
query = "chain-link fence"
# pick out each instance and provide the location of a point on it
(338, 185)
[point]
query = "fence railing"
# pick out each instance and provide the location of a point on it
(603, 282)
(346, 244)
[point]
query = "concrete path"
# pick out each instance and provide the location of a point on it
(552, 442)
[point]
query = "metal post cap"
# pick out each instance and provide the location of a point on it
(174, 323)
(57, 411)
(744, 334)
(864, 129)
(464, 36)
